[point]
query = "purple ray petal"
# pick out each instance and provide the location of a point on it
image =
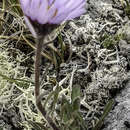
(52, 11)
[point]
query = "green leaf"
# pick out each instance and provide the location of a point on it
(66, 110)
(105, 113)
(15, 6)
(19, 82)
(37, 126)
(82, 122)
(75, 128)
(63, 48)
(76, 104)
(75, 93)
(56, 93)
(49, 96)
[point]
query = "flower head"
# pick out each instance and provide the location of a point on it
(52, 11)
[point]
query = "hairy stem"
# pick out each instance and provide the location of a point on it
(37, 84)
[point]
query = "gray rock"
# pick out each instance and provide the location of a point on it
(119, 118)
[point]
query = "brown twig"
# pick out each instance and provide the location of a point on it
(37, 84)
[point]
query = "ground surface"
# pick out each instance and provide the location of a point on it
(97, 61)
(119, 117)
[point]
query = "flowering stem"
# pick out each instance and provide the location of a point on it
(37, 84)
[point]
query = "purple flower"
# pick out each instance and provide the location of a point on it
(52, 11)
